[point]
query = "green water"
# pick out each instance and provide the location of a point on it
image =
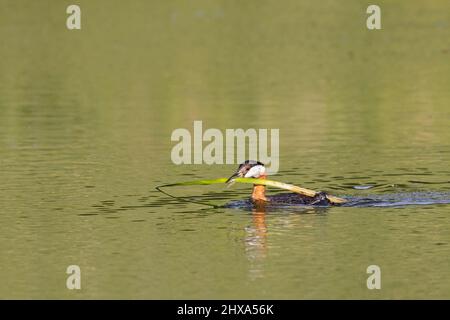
(86, 118)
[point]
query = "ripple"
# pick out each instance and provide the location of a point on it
(363, 187)
(399, 199)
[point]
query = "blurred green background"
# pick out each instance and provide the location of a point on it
(85, 123)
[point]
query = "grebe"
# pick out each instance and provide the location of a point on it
(256, 169)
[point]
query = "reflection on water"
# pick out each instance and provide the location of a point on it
(257, 237)
(85, 125)
(256, 244)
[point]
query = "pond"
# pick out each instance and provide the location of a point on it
(86, 118)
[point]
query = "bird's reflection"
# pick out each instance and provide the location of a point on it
(257, 234)
(256, 241)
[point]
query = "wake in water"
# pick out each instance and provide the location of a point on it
(376, 200)
(399, 199)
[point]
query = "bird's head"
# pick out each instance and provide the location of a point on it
(249, 169)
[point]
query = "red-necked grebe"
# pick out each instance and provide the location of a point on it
(256, 169)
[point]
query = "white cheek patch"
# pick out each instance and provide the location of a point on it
(255, 172)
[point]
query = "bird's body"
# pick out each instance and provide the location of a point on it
(255, 169)
(295, 198)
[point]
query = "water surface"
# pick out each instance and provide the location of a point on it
(85, 124)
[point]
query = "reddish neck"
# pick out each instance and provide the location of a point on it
(259, 191)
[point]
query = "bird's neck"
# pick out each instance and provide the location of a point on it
(259, 191)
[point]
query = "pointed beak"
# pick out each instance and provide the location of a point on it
(236, 174)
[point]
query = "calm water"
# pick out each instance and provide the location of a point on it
(85, 124)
